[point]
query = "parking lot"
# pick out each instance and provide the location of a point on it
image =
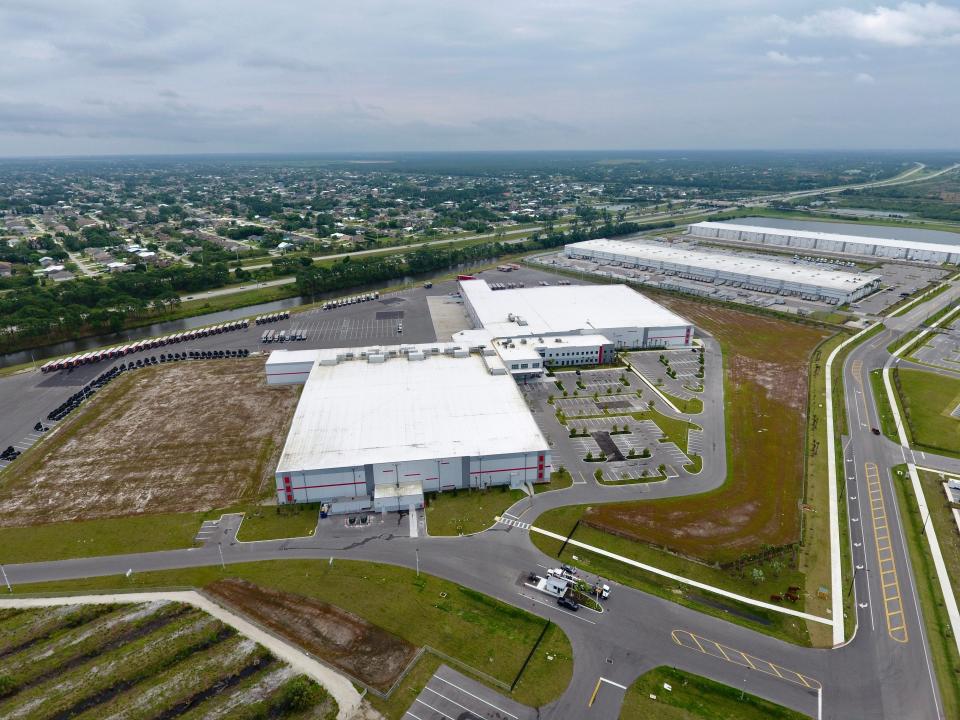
(684, 363)
(942, 349)
(452, 696)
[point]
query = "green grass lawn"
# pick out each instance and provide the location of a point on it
(927, 400)
(461, 512)
(943, 648)
(89, 538)
(487, 635)
(273, 522)
(693, 406)
(695, 698)
(562, 521)
(887, 425)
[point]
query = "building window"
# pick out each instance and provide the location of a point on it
(514, 366)
(523, 366)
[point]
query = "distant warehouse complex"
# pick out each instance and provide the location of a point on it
(751, 273)
(377, 427)
(805, 240)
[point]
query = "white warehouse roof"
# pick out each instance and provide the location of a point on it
(781, 270)
(356, 412)
(564, 309)
(835, 237)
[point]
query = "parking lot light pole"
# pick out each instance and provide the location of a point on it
(418, 562)
(9, 589)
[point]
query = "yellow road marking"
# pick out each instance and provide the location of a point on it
(889, 580)
(698, 643)
(595, 691)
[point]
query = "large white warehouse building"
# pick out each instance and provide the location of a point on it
(375, 428)
(807, 240)
(764, 275)
(623, 316)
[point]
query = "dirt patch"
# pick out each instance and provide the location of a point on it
(765, 366)
(347, 641)
(171, 438)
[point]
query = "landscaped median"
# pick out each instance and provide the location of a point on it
(691, 696)
(476, 634)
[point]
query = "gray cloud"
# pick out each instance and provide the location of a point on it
(103, 76)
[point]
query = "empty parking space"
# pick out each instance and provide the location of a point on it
(452, 696)
(685, 364)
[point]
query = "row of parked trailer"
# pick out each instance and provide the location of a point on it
(340, 302)
(292, 335)
(273, 317)
(109, 353)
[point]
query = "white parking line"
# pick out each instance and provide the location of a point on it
(433, 708)
(466, 692)
(615, 684)
(413, 716)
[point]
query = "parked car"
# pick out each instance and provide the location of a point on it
(568, 602)
(875, 431)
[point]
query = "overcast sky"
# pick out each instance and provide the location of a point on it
(115, 76)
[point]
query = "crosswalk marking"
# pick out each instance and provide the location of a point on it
(513, 523)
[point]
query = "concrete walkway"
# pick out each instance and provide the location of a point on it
(342, 690)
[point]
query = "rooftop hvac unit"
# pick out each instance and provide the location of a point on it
(511, 317)
(461, 353)
(415, 355)
(523, 341)
(487, 352)
(375, 358)
(329, 360)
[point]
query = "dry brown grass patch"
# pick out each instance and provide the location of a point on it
(172, 438)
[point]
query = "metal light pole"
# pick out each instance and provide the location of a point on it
(9, 589)
(418, 562)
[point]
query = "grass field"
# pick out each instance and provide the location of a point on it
(348, 642)
(464, 512)
(563, 520)
(144, 660)
(927, 400)
(943, 648)
(693, 406)
(765, 368)
(173, 438)
(695, 698)
(273, 522)
(485, 634)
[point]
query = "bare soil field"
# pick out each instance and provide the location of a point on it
(765, 372)
(171, 438)
(347, 641)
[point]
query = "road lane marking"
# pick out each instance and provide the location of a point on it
(698, 643)
(566, 612)
(889, 579)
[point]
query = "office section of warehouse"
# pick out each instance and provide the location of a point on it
(769, 275)
(376, 428)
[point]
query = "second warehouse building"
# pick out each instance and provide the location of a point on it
(759, 274)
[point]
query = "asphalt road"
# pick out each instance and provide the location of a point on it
(883, 672)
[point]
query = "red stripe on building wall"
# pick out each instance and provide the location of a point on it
(484, 472)
(311, 487)
(411, 474)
